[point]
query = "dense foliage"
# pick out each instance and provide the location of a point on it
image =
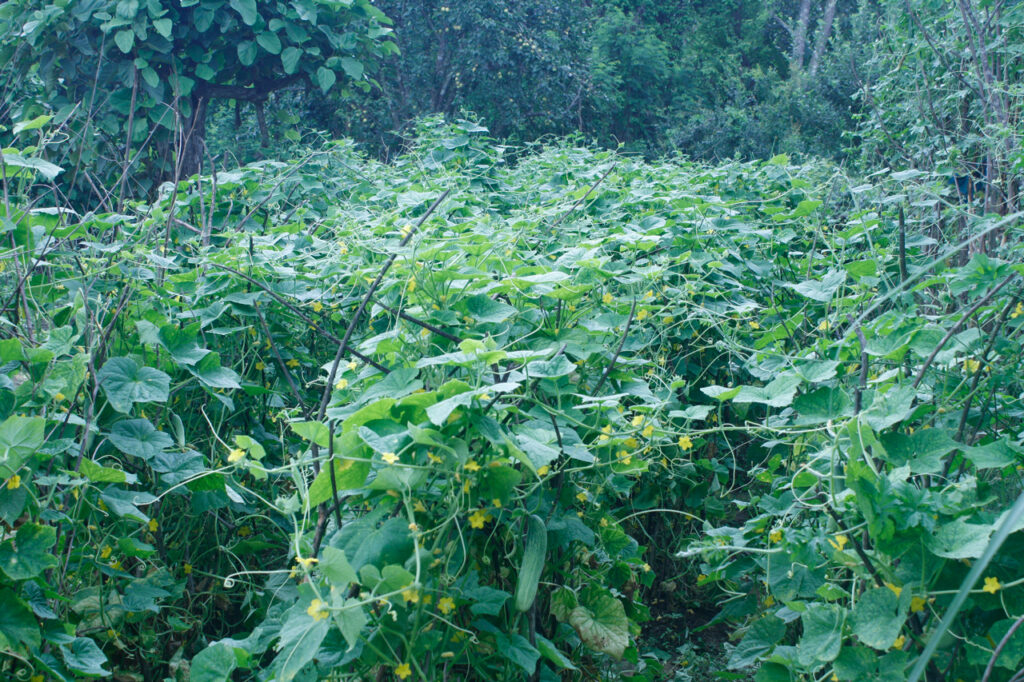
(327, 415)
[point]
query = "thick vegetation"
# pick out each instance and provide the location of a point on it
(451, 417)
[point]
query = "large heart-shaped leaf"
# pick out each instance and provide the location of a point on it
(125, 383)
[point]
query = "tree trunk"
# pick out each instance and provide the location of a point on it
(193, 140)
(796, 61)
(824, 32)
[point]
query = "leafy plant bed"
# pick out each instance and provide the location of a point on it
(460, 418)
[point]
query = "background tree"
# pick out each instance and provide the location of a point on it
(133, 80)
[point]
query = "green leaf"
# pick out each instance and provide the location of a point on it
(557, 367)
(518, 649)
(314, 432)
(44, 168)
(28, 554)
(246, 52)
(602, 624)
(960, 539)
(878, 617)
(124, 502)
(300, 641)
(215, 663)
(17, 622)
(163, 27)
(325, 78)
(34, 124)
(484, 309)
(269, 42)
(549, 651)
(20, 437)
(83, 657)
(125, 383)
(336, 568)
(125, 40)
(210, 373)
(353, 68)
(823, 290)
(350, 620)
(290, 57)
(139, 438)
(759, 640)
(823, 633)
(349, 474)
(247, 10)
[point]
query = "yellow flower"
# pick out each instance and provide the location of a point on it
(823, 326)
(769, 601)
(60, 397)
(631, 443)
(484, 397)
(648, 431)
(754, 324)
(685, 443)
(669, 319)
(496, 503)
(434, 458)
(896, 589)
(153, 525)
(624, 457)
(446, 605)
(607, 298)
(411, 286)
(116, 565)
(389, 457)
(235, 455)
(637, 420)
(991, 585)
(971, 365)
(260, 367)
(37, 678)
(352, 366)
(106, 551)
(343, 248)
(317, 610)
(900, 641)
(477, 519)
(411, 594)
(543, 471)
(917, 604)
(641, 316)
(839, 542)
(471, 465)
(317, 306)
(414, 527)
(775, 535)
(244, 532)
(1018, 311)
(342, 384)
(604, 522)
(403, 671)
(14, 482)
(582, 496)
(306, 562)
(187, 569)
(418, 506)
(405, 231)
(292, 363)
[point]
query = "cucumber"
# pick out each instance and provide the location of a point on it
(535, 548)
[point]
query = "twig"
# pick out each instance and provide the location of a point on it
(622, 342)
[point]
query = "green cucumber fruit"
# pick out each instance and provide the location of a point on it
(535, 547)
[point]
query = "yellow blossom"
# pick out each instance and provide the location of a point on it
(624, 457)
(414, 527)
(418, 506)
(105, 552)
(471, 465)
(900, 641)
(641, 316)
(582, 496)
(669, 319)
(341, 385)
(260, 367)
(244, 532)
(306, 562)
(823, 326)
(116, 565)
(434, 458)
(648, 431)
(389, 457)
(14, 482)
(1018, 311)
(292, 363)
(839, 542)
(403, 671)
(446, 605)
(543, 470)
(484, 397)
(685, 443)
(153, 525)
(235, 455)
(496, 503)
(775, 535)
(317, 306)
(637, 420)
(187, 569)
(604, 522)
(352, 366)
(477, 519)
(607, 298)
(917, 604)
(769, 601)
(992, 585)
(896, 589)
(631, 443)
(754, 324)
(405, 231)
(411, 594)
(59, 397)
(317, 610)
